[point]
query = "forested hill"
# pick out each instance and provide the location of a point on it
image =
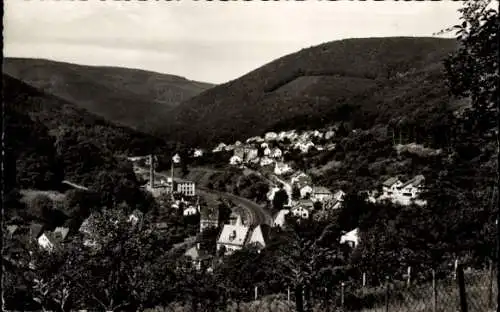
(363, 81)
(136, 98)
(50, 139)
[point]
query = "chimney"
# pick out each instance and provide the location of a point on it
(151, 170)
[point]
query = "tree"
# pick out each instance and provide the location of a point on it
(280, 199)
(473, 70)
(133, 272)
(295, 192)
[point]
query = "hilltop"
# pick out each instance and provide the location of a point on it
(361, 81)
(135, 98)
(51, 139)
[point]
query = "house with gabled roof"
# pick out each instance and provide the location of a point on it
(391, 186)
(233, 237)
(351, 238)
(321, 194)
(50, 240)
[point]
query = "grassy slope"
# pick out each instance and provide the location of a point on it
(381, 77)
(135, 98)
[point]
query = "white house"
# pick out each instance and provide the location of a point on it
(329, 134)
(304, 147)
(219, 148)
(235, 160)
(279, 219)
(339, 195)
(264, 145)
(267, 151)
(186, 188)
(197, 153)
(300, 177)
(305, 191)
(271, 136)
(251, 154)
(276, 153)
(321, 194)
(331, 146)
(281, 168)
(300, 211)
(391, 186)
(351, 238)
(233, 237)
(403, 193)
(49, 240)
(266, 161)
(135, 217)
(191, 210)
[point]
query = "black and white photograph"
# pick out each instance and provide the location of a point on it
(250, 156)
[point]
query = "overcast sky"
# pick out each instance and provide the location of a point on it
(206, 41)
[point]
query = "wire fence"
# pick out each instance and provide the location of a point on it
(438, 294)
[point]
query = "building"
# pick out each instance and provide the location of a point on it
(232, 237)
(191, 210)
(300, 179)
(339, 195)
(276, 153)
(135, 217)
(235, 160)
(251, 154)
(391, 186)
(304, 147)
(50, 240)
(267, 151)
(184, 187)
(305, 191)
(266, 161)
(351, 238)
(281, 168)
(300, 211)
(329, 134)
(403, 193)
(197, 153)
(321, 194)
(270, 136)
(219, 148)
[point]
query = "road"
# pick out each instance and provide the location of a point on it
(256, 213)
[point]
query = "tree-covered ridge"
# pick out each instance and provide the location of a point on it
(379, 78)
(136, 98)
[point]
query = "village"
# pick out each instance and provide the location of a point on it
(263, 156)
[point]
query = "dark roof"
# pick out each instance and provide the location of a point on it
(416, 181)
(390, 181)
(36, 229)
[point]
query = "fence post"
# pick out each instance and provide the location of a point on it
(408, 281)
(490, 284)
(364, 279)
(434, 291)
(256, 290)
(461, 288)
(288, 294)
(387, 294)
(342, 295)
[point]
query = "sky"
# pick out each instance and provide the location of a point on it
(200, 40)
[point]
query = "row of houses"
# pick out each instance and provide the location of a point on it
(401, 193)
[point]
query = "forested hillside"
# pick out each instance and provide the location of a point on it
(362, 81)
(136, 98)
(50, 139)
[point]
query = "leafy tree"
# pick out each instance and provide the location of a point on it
(280, 199)
(295, 193)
